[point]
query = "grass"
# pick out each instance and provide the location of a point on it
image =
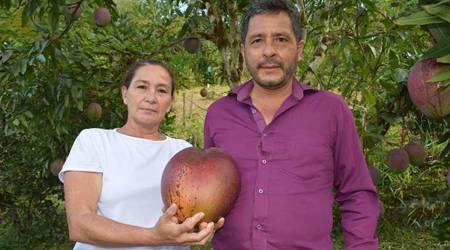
(403, 237)
(393, 236)
(190, 110)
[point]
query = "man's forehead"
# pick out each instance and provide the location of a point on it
(270, 22)
(270, 13)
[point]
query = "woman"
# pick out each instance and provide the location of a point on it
(112, 177)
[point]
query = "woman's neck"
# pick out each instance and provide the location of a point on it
(147, 132)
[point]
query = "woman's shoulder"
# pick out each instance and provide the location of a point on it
(95, 133)
(178, 142)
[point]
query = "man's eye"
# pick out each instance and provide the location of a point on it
(256, 41)
(282, 39)
(162, 91)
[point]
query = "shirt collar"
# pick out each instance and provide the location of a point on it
(243, 91)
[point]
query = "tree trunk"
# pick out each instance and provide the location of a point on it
(226, 37)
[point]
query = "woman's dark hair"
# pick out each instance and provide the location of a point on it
(136, 65)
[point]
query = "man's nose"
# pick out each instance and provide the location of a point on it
(269, 50)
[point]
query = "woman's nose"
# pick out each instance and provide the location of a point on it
(150, 96)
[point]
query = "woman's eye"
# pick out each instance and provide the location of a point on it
(141, 87)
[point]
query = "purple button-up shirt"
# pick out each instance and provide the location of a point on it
(291, 171)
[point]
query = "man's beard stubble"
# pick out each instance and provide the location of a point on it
(272, 84)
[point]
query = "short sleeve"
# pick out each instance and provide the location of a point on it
(185, 144)
(83, 155)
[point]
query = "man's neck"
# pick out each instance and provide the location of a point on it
(268, 101)
(271, 96)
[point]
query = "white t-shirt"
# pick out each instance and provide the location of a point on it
(131, 170)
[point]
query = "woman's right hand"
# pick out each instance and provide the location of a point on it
(169, 231)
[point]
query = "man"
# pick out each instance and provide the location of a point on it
(296, 148)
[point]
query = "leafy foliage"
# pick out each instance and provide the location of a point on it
(52, 65)
(47, 79)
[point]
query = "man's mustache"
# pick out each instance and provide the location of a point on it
(270, 62)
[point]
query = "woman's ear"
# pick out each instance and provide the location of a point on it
(124, 91)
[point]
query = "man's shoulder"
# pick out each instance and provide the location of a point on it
(331, 97)
(223, 102)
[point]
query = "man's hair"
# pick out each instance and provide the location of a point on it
(272, 6)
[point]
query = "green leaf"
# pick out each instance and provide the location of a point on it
(242, 4)
(5, 4)
(439, 31)
(41, 58)
(370, 5)
(370, 99)
(53, 17)
(5, 56)
(23, 66)
(441, 76)
(25, 15)
(23, 121)
(418, 18)
(444, 59)
(439, 10)
(401, 75)
(28, 114)
(188, 10)
(440, 49)
(387, 85)
(443, 138)
(443, 2)
(445, 151)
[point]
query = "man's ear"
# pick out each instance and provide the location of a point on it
(300, 49)
(242, 51)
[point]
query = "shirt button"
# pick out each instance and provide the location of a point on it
(260, 191)
(264, 134)
(253, 111)
(264, 161)
(259, 226)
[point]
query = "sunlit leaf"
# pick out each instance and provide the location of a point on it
(440, 32)
(444, 59)
(441, 76)
(440, 49)
(419, 18)
(439, 10)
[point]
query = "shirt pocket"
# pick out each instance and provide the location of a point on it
(302, 166)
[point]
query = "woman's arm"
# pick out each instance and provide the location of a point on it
(82, 191)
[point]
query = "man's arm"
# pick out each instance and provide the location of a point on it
(207, 139)
(355, 191)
